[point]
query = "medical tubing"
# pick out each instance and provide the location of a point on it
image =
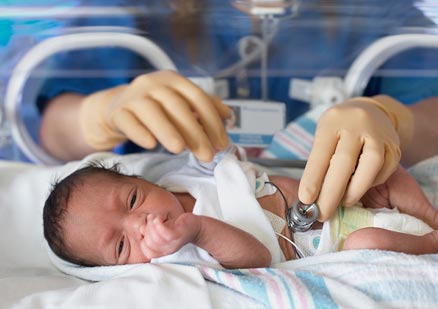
(298, 251)
(376, 54)
(249, 56)
(13, 98)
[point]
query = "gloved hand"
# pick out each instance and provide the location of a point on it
(161, 106)
(356, 146)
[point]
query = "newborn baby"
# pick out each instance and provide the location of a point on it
(229, 213)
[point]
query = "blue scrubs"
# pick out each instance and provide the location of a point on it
(314, 42)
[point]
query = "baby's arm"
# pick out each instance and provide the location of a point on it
(232, 247)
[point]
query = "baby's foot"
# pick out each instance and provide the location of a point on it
(403, 192)
(431, 242)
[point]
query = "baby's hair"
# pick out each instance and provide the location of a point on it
(55, 206)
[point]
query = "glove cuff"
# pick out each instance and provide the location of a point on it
(95, 129)
(400, 116)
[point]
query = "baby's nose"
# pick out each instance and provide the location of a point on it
(136, 225)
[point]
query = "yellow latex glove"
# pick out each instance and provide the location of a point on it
(356, 146)
(161, 106)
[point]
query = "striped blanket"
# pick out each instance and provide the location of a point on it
(295, 141)
(349, 279)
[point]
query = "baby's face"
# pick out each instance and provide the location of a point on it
(107, 217)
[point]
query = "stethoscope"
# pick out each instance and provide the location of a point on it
(300, 217)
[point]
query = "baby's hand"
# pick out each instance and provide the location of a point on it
(165, 236)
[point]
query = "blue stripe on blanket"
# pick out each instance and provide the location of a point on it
(253, 286)
(317, 287)
(276, 150)
(285, 284)
(293, 142)
(274, 288)
(240, 282)
(307, 124)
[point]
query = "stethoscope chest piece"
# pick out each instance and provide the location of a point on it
(300, 217)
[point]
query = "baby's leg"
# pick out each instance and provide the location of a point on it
(403, 192)
(377, 238)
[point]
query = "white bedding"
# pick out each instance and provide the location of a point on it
(360, 279)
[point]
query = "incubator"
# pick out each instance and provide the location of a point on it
(293, 54)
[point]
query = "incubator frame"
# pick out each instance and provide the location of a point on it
(36, 55)
(354, 83)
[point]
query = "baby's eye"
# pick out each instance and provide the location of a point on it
(121, 245)
(133, 199)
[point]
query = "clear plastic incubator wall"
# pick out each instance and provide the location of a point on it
(270, 60)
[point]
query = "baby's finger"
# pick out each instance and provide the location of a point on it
(153, 236)
(150, 252)
(166, 230)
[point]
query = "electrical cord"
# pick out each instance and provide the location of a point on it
(298, 251)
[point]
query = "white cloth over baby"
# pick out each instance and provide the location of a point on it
(227, 191)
